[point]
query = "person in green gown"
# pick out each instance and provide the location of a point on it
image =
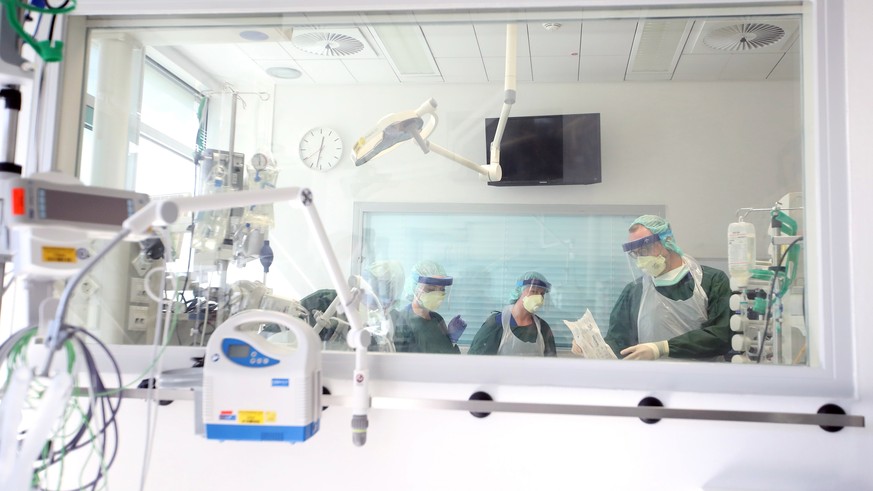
(677, 308)
(418, 327)
(517, 330)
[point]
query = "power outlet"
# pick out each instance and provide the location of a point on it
(138, 318)
(137, 291)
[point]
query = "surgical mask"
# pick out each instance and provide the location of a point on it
(652, 265)
(431, 300)
(532, 303)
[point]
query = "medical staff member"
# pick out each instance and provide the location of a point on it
(385, 284)
(418, 326)
(677, 309)
(517, 330)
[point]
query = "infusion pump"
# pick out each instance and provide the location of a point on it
(50, 219)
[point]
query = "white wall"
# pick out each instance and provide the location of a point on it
(438, 450)
(702, 150)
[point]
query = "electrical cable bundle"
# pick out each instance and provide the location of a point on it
(88, 426)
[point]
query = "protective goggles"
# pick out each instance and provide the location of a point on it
(545, 285)
(641, 247)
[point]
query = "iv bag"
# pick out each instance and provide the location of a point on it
(741, 252)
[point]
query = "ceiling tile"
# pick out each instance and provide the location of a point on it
(722, 35)
(227, 63)
(285, 63)
(788, 68)
(371, 71)
(495, 67)
(555, 68)
(462, 70)
(700, 67)
(327, 71)
(560, 42)
(451, 41)
(492, 40)
(602, 68)
(608, 37)
(263, 50)
(748, 66)
(336, 37)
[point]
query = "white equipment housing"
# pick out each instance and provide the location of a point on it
(254, 389)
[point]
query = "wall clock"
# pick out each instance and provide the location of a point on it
(321, 149)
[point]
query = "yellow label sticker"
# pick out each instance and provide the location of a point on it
(251, 417)
(59, 254)
(271, 416)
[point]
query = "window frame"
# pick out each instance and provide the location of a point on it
(826, 185)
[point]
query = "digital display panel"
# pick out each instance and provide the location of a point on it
(80, 207)
(238, 351)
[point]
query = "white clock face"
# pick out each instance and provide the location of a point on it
(321, 149)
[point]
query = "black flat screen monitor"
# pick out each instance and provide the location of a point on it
(547, 150)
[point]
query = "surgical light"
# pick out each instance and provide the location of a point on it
(419, 124)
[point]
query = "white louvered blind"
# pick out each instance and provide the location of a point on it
(486, 252)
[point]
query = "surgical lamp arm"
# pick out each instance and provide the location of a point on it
(509, 90)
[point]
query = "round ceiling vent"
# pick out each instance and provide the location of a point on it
(742, 37)
(327, 43)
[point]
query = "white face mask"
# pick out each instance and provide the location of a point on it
(532, 303)
(431, 300)
(652, 265)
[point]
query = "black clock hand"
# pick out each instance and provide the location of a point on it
(316, 152)
(317, 159)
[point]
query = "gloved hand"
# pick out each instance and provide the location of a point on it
(576, 349)
(646, 351)
(456, 328)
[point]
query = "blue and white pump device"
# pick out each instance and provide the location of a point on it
(255, 389)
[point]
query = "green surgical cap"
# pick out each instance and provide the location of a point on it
(424, 269)
(427, 269)
(661, 228)
(526, 278)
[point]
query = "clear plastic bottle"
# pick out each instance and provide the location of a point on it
(741, 252)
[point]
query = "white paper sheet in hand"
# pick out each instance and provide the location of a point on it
(587, 336)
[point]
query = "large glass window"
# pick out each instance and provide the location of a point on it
(702, 118)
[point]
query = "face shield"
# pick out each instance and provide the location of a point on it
(381, 295)
(432, 291)
(533, 292)
(645, 256)
(375, 300)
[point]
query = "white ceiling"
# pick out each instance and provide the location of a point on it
(600, 50)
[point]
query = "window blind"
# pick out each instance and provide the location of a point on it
(579, 253)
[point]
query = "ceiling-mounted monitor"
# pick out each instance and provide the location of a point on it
(547, 150)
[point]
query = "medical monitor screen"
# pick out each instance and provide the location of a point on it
(544, 150)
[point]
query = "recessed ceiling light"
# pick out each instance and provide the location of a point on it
(284, 72)
(253, 35)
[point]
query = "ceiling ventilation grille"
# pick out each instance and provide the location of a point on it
(744, 37)
(327, 44)
(656, 48)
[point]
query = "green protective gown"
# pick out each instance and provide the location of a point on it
(711, 340)
(414, 334)
(487, 339)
